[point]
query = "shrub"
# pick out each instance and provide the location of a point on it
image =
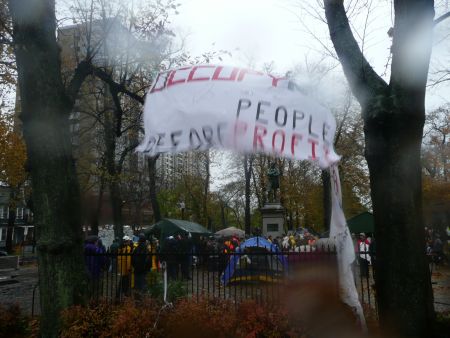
(256, 320)
(94, 320)
(128, 319)
(135, 319)
(202, 318)
(13, 323)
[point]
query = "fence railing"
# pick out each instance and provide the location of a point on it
(255, 274)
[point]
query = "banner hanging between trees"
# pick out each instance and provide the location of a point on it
(203, 106)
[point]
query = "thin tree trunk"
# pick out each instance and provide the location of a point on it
(326, 186)
(11, 220)
(248, 163)
(116, 204)
(96, 214)
(206, 189)
(10, 228)
(152, 188)
(113, 173)
(258, 192)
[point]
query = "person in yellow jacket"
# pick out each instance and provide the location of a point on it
(124, 267)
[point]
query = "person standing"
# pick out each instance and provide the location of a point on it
(169, 252)
(142, 263)
(93, 258)
(438, 249)
(185, 255)
(364, 255)
(124, 266)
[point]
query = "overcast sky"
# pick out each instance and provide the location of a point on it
(277, 30)
(263, 31)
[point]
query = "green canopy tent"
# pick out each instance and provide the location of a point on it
(173, 227)
(361, 223)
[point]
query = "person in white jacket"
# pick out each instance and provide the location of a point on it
(364, 255)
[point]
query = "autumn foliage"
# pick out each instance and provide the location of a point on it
(12, 155)
(187, 318)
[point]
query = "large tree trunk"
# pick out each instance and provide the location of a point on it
(403, 280)
(393, 116)
(56, 196)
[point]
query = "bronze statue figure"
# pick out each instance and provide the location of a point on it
(274, 182)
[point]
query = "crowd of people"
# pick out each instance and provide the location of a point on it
(133, 260)
(302, 242)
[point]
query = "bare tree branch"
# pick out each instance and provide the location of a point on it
(120, 88)
(364, 81)
(441, 18)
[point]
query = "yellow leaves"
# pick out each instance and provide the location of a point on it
(12, 155)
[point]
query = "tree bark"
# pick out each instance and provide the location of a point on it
(248, 164)
(56, 195)
(10, 228)
(393, 116)
(96, 213)
(11, 220)
(326, 185)
(152, 182)
(206, 189)
(404, 293)
(111, 167)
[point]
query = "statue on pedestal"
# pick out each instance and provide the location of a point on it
(274, 182)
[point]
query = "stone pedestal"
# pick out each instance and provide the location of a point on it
(272, 219)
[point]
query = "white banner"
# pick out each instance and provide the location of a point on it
(344, 247)
(202, 106)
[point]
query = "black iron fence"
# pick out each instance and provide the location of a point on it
(256, 274)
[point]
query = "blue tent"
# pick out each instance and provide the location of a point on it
(256, 259)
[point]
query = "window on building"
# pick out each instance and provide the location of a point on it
(1, 212)
(3, 234)
(19, 213)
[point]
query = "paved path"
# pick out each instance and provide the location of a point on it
(441, 288)
(17, 287)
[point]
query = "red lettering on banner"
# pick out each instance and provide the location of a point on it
(232, 77)
(194, 69)
(259, 133)
(294, 141)
(240, 128)
(154, 89)
(276, 79)
(313, 148)
(171, 82)
(243, 72)
(283, 139)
